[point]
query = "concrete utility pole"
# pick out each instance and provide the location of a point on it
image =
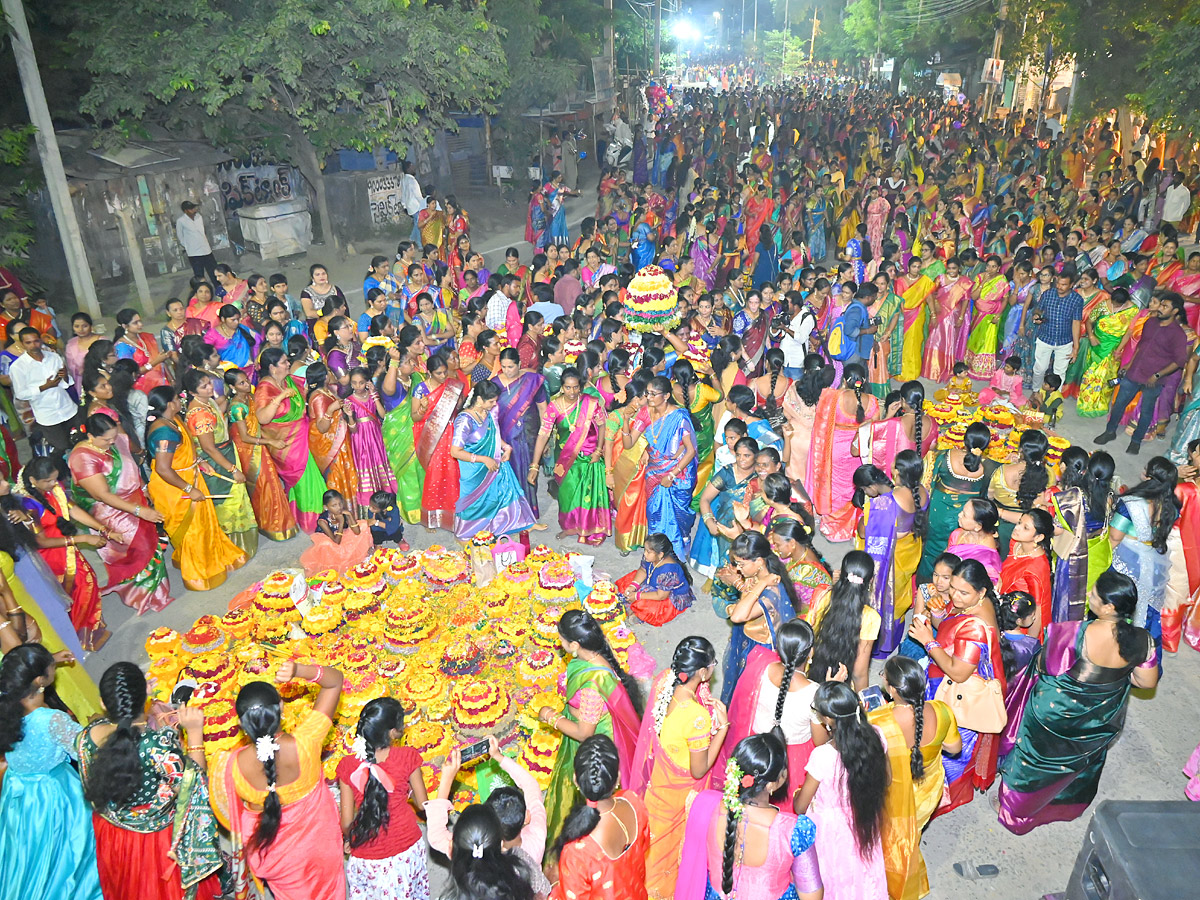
(812, 44)
(996, 42)
(47, 145)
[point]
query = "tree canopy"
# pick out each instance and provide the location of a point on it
(296, 77)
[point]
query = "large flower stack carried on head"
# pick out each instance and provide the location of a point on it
(651, 301)
(1006, 429)
(465, 661)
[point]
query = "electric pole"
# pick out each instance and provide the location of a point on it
(47, 145)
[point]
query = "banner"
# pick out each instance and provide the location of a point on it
(993, 71)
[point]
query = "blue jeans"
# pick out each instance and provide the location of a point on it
(793, 372)
(1125, 393)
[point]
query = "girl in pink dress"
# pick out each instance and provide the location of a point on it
(366, 441)
(847, 806)
(1005, 386)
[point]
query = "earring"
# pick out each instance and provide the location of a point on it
(42, 689)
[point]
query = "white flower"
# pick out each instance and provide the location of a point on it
(359, 748)
(266, 747)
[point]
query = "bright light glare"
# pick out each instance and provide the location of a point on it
(685, 31)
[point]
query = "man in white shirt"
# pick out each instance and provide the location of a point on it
(39, 376)
(412, 198)
(794, 342)
(1177, 201)
(189, 229)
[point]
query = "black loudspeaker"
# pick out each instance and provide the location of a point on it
(1139, 851)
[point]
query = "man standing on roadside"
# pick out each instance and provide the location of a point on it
(1163, 349)
(412, 198)
(189, 229)
(1056, 319)
(40, 377)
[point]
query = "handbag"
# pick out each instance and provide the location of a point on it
(977, 703)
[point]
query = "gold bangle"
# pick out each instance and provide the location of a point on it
(195, 749)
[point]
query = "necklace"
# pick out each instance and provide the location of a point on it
(611, 812)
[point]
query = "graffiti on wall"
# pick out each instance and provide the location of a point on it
(243, 186)
(383, 196)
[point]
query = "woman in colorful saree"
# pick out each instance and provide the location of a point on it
(156, 836)
(767, 600)
(1097, 303)
(950, 306)
(753, 326)
(233, 341)
(578, 421)
(1027, 566)
(1104, 334)
(329, 433)
(602, 847)
(522, 406)
(271, 796)
(46, 833)
(831, 457)
(670, 478)
(917, 731)
(958, 477)
(395, 377)
(431, 223)
(908, 427)
(679, 741)
(1081, 509)
(783, 844)
(107, 485)
(131, 342)
(1139, 531)
(435, 404)
(50, 518)
(661, 588)
(627, 470)
(267, 495)
(696, 394)
(915, 289)
(281, 411)
(967, 643)
(729, 486)
(490, 494)
(1015, 486)
(224, 480)
(204, 554)
(891, 529)
(1076, 708)
(987, 291)
(601, 698)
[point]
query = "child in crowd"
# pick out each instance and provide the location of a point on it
(732, 432)
(520, 809)
(960, 382)
(388, 859)
(662, 587)
(340, 542)
(279, 288)
(1049, 399)
(1005, 388)
(387, 527)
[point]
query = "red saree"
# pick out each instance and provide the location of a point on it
(433, 433)
(72, 570)
(1032, 575)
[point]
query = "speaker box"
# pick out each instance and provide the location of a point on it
(1137, 850)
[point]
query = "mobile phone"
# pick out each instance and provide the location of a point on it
(872, 697)
(474, 751)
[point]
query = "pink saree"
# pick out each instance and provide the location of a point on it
(947, 341)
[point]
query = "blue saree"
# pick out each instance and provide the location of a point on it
(492, 501)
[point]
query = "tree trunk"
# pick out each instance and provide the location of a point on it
(1125, 126)
(897, 65)
(310, 166)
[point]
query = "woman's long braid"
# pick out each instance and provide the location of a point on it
(859, 413)
(918, 427)
(686, 388)
(789, 669)
(612, 382)
(916, 761)
(631, 688)
(729, 850)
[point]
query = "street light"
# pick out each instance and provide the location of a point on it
(685, 31)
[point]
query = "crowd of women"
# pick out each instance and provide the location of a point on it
(1015, 604)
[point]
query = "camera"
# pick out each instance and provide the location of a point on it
(876, 321)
